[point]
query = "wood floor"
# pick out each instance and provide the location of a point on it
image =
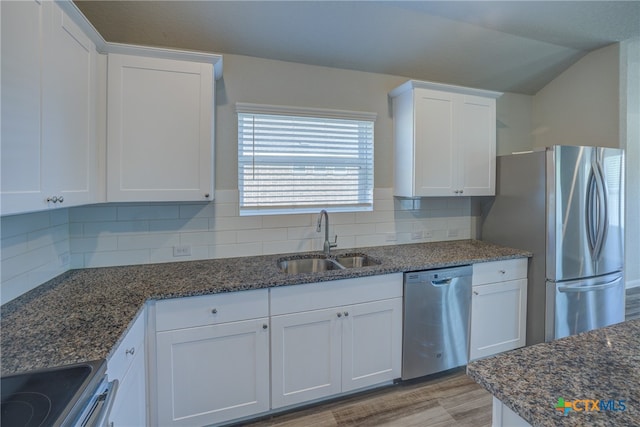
(452, 399)
(633, 303)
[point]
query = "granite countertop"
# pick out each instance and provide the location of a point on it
(602, 364)
(81, 315)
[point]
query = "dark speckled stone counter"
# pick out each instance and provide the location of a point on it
(603, 364)
(82, 314)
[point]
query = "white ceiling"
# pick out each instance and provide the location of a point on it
(514, 46)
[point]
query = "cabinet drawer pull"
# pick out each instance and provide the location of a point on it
(130, 351)
(214, 311)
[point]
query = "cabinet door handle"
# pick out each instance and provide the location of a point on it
(502, 272)
(476, 293)
(265, 326)
(60, 199)
(53, 199)
(206, 196)
(346, 313)
(214, 311)
(339, 314)
(130, 351)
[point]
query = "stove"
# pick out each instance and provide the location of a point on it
(61, 396)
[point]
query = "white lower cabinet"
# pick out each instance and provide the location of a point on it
(216, 372)
(127, 364)
(334, 348)
(498, 307)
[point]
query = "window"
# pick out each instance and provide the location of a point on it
(293, 160)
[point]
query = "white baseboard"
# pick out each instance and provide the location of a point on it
(632, 284)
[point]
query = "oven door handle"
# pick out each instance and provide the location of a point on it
(99, 416)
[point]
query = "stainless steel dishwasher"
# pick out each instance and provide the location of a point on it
(437, 307)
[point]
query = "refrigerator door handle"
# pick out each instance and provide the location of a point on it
(603, 220)
(587, 288)
(590, 212)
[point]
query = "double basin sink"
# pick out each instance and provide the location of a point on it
(320, 263)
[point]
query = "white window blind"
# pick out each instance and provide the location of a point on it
(294, 160)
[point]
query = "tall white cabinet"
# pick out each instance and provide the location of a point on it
(160, 129)
(444, 140)
(49, 85)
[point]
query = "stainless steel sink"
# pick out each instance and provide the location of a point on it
(308, 265)
(356, 260)
(319, 263)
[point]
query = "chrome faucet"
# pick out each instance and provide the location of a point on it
(327, 244)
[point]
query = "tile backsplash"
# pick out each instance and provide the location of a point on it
(37, 247)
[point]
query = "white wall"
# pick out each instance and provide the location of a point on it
(630, 140)
(35, 248)
(581, 106)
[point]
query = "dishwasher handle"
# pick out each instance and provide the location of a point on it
(443, 282)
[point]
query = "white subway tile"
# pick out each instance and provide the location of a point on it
(383, 205)
(372, 217)
(344, 242)
(148, 241)
(371, 240)
(352, 230)
(113, 258)
(338, 218)
(13, 246)
(48, 236)
(30, 260)
(196, 210)
(238, 223)
(97, 213)
(235, 250)
(13, 288)
(15, 225)
(179, 225)
(286, 246)
(147, 212)
(93, 244)
(58, 217)
(262, 235)
(225, 210)
(208, 238)
(76, 229)
(114, 227)
(77, 260)
(277, 221)
(300, 233)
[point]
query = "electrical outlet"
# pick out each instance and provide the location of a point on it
(453, 232)
(416, 235)
(428, 234)
(183, 250)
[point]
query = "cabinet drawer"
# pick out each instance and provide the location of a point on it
(203, 310)
(132, 343)
(316, 296)
(499, 271)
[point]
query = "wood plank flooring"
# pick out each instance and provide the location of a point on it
(632, 303)
(450, 399)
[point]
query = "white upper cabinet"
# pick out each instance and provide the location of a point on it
(444, 140)
(159, 129)
(49, 83)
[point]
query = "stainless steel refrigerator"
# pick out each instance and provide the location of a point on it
(565, 204)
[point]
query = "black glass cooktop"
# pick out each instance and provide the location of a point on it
(46, 397)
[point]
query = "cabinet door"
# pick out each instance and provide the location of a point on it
(68, 111)
(435, 143)
(130, 407)
(498, 317)
(211, 374)
(21, 107)
(305, 356)
(371, 343)
(477, 146)
(160, 119)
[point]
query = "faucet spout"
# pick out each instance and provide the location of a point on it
(327, 244)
